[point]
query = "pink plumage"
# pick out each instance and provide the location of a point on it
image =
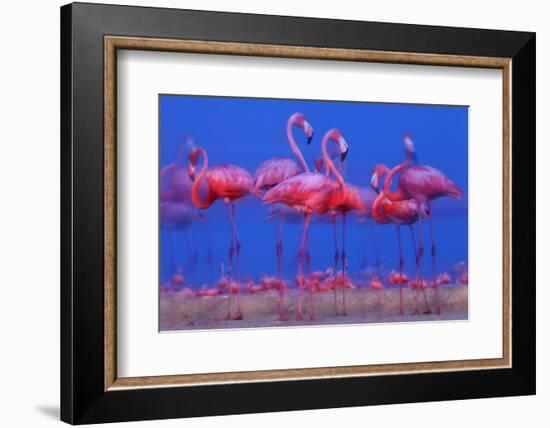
(229, 181)
(175, 184)
(306, 192)
(423, 182)
(347, 199)
(273, 171)
(176, 215)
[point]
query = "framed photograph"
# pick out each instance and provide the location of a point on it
(316, 212)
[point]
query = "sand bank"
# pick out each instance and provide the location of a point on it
(261, 309)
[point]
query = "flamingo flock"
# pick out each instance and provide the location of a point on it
(288, 185)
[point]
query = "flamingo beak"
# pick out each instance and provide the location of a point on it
(309, 132)
(374, 183)
(191, 172)
(344, 154)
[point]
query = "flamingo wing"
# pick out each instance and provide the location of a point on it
(426, 182)
(176, 215)
(274, 171)
(229, 181)
(354, 199)
(308, 191)
(401, 212)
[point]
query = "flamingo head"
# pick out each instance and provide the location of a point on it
(299, 120)
(410, 153)
(336, 135)
(186, 144)
(186, 140)
(318, 164)
(377, 172)
(193, 159)
(424, 210)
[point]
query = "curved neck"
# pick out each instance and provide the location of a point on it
(328, 161)
(376, 213)
(195, 197)
(293, 145)
(399, 194)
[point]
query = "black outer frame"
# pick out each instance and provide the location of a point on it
(83, 399)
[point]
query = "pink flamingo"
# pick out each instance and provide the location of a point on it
(178, 279)
(344, 199)
(175, 184)
(422, 183)
(404, 212)
(443, 279)
(463, 278)
(176, 211)
(307, 193)
(229, 182)
(276, 170)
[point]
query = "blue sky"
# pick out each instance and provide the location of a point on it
(246, 131)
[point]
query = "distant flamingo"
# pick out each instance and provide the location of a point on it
(307, 193)
(175, 184)
(377, 286)
(463, 278)
(178, 279)
(176, 210)
(230, 183)
(404, 212)
(175, 216)
(376, 283)
(276, 170)
(422, 183)
(443, 279)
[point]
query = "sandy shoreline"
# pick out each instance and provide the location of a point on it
(261, 309)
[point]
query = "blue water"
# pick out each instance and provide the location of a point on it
(245, 132)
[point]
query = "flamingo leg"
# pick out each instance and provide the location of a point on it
(209, 255)
(188, 252)
(307, 255)
(364, 261)
(344, 262)
(308, 272)
(433, 251)
(230, 270)
(194, 255)
(171, 256)
(336, 259)
(239, 315)
(420, 256)
(418, 275)
(300, 278)
(401, 264)
(282, 315)
(277, 240)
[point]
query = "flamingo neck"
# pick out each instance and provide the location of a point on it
(376, 214)
(399, 194)
(181, 152)
(328, 161)
(294, 146)
(195, 197)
